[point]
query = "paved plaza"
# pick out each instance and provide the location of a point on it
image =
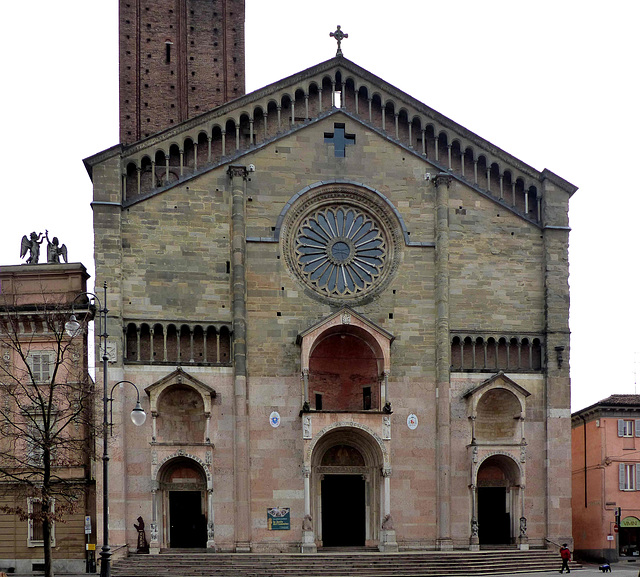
(621, 569)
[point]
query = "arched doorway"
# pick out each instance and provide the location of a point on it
(346, 476)
(498, 487)
(183, 487)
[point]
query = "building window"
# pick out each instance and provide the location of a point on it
(35, 533)
(35, 449)
(366, 398)
(628, 427)
(318, 402)
(35, 440)
(628, 476)
(40, 365)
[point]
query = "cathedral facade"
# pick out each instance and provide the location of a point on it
(348, 315)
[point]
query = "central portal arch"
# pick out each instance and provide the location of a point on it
(499, 500)
(183, 496)
(346, 466)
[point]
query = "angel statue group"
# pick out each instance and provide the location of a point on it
(32, 244)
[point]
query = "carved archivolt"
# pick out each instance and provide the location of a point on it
(180, 453)
(514, 460)
(348, 425)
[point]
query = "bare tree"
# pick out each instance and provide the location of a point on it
(46, 415)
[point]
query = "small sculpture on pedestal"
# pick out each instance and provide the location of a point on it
(307, 523)
(387, 523)
(474, 527)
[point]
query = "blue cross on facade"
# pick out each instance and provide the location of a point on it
(339, 139)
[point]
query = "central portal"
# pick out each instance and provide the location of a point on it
(188, 524)
(493, 518)
(346, 476)
(343, 511)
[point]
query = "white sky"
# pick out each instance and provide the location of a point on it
(555, 83)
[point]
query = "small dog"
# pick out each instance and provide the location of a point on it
(605, 568)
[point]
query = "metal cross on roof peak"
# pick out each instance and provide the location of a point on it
(339, 35)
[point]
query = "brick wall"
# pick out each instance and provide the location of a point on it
(178, 58)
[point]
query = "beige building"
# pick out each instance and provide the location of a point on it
(46, 401)
(349, 315)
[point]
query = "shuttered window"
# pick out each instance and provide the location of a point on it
(628, 475)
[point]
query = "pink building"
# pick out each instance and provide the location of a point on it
(605, 447)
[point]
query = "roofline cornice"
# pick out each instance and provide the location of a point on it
(342, 64)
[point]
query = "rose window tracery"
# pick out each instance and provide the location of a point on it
(340, 250)
(342, 242)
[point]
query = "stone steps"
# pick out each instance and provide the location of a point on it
(188, 563)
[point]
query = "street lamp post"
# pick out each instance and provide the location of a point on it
(138, 417)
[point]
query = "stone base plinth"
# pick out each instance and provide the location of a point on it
(444, 544)
(308, 542)
(523, 543)
(474, 543)
(388, 543)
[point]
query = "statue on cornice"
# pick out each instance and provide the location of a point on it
(54, 251)
(31, 244)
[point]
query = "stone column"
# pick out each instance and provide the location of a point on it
(388, 542)
(308, 537)
(238, 176)
(474, 541)
(523, 539)
(443, 363)
(305, 389)
(211, 543)
(154, 544)
(386, 399)
(154, 427)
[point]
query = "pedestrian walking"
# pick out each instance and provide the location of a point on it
(565, 555)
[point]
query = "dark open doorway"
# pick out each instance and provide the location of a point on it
(343, 511)
(493, 518)
(188, 525)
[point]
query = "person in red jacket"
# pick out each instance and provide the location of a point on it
(565, 554)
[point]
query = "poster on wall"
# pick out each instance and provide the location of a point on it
(279, 519)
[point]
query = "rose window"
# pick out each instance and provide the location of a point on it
(340, 250)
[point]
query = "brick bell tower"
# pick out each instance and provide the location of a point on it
(178, 59)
